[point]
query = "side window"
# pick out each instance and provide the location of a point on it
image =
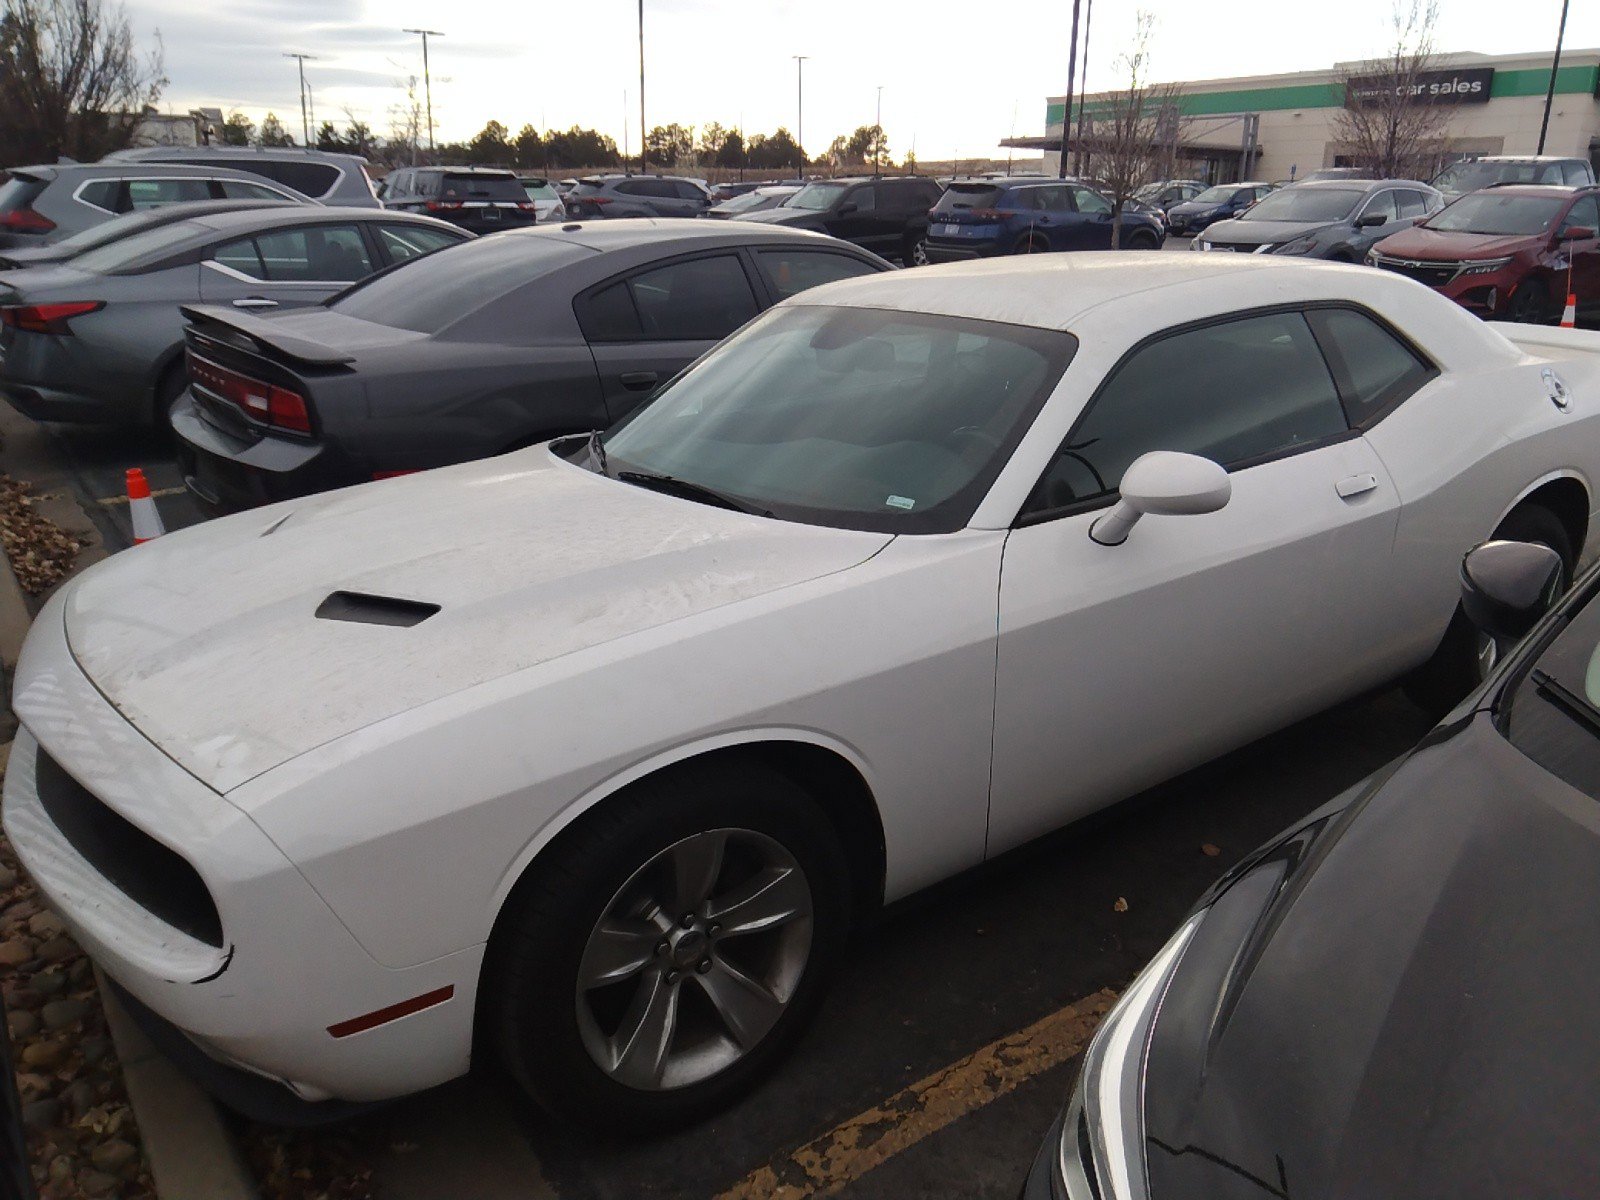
(1374, 368)
(1233, 392)
(862, 197)
(1055, 198)
(1383, 202)
(152, 193)
(238, 189)
(102, 193)
(1586, 212)
(1550, 173)
(409, 241)
(1412, 205)
(630, 187)
(1575, 174)
(1090, 201)
(1023, 200)
(701, 299)
(319, 254)
(241, 256)
(688, 191)
(790, 272)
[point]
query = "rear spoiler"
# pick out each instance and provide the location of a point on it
(266, 335)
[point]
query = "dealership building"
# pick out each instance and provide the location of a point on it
(1496, 103)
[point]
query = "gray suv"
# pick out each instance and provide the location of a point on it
(321, 174)
(44, 204)
(1337, 219)
(636, 196)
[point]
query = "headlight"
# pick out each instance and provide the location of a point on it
(1372, 258)
(1487, 266)
(1108, 1102)
(1303, 245)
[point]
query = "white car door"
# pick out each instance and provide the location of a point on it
(1120, 666)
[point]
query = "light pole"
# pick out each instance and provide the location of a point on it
(427, 79)
(1550, 93)
(800, 108)
(1072, 79)
(305, 121)
(643, 139)
(877, 139)
(1083, 89)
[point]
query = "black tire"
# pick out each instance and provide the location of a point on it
(1455, 670)
(1030, 244)
(1143, 241)
(529, 1006)
(1530, 303)
(172, 384)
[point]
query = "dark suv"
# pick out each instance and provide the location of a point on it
(981, 218)
(1470, 176)
(636, 196)
(889, 216)
(478, 199)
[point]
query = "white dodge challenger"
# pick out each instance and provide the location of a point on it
(589, 756)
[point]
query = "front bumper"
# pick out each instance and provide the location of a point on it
(287, 970)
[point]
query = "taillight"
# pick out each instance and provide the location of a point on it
(444, 205)
(280, 407)
(47, 318)
(528, 206)
(988, 214)
(25, 220)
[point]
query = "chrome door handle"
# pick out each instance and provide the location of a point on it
(255, 302)
(1352, 486)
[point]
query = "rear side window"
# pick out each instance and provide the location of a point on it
(790, 272)
(404, 242)
(152, 193)
(699, 299)
(1577, 174)
(309, 178)
(1054, 198)
(1413, 204)
(1235, 392)
(1375, 369)
(318, 254)
(239, 189)
(101, 193)
(1090, 201)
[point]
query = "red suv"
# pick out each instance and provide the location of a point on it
(1509, 252)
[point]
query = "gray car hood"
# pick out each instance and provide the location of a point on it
(1263, 233)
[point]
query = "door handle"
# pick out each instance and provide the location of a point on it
(1352, 486)
(255, 302)
(638, 381)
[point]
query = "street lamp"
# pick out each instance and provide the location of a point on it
(1072, 73)
(877, 138)
(800, 108)
(1555, 65)
(305, 121)
(427, 80)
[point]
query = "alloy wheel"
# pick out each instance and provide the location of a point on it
(694, 960)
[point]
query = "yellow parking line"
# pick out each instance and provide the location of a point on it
(156, 494)
(869, 1139)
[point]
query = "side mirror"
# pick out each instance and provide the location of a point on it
(1507, 586)
(1576, 233)
(1368, 220)
(1163, 483)
(846, 209)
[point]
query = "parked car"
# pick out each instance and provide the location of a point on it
(1349, 1009)
(99, 339)
(756, 200)
(980, 220)
(124, 226)
(1214, 204)
(477, 199)
(1338, 219)
(527, 751)
(493, 347)
(1474, 174)
(563, 186)
(636, 196)
(1511, 251)
(323, 175)
(886, 215)
(1165, 193)
(546, 200)
(46, 204)
(1322, 173)
(727, 191)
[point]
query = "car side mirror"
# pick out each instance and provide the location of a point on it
(846, 209)
(1577, 233)
(1507, 586)
(1368, 220)
(1163, 483)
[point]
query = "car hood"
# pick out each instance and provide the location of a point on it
(1261, 233)
(1442, 244)
(209, 640)
(784, 216)
(1399, 1002)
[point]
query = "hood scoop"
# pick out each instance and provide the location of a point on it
(366, 609)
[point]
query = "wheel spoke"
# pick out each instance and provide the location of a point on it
(771, 897)
(644, 1040)
(745, 1006)
(696, 863)
(617, 950)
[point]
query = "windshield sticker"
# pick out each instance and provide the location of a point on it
(905, 502)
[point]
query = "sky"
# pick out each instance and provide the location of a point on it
(955, 76)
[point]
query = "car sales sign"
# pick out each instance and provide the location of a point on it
(1467, 85)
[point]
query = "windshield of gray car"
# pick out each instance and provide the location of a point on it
(861, 418)
(1307, 205)
(815, 196)
(130, 252)
(1497, 212)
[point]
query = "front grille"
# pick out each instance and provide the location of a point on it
(1434, 274)
(148, 873)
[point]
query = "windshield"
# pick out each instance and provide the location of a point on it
(855, 417)
(1307, 204)
(129, 251)
(743, 203)
(1553, 714)
(1216, 195)
(1470, 176)
(816, 196)
(1496, 212)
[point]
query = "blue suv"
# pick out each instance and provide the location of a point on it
(981, 218)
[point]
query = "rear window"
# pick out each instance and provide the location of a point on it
(588, 187)
(481, 187)
(137, 248)
(433, 292)
(307, 178)
(968, 195)
(539, 190)
(18, 193)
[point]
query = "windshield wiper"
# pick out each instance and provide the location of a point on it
(597, 452)
(1575, 706)
(690, 491)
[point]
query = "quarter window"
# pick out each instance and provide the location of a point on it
(1090, 201)
(700, 299)
(790, 272)
(407, 241)
(1234, 392)
(1374, 368)
(318, 254)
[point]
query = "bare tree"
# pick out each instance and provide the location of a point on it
(1391, 123)
(1130, 135)
(72, 81)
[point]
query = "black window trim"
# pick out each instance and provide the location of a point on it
(581, 300)
(1342, 390)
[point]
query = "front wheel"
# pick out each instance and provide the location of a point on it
(915, 253)
(1530, 303)
(671, 949)
(1143, 241)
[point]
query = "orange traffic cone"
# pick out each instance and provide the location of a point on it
(146, 517)
(1569, 315)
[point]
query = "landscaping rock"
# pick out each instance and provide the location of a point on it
(15, 951)
(52, 983)
(44, 1056)
(80, 971)
(113, 1156)
(8, 878)
(21, 1025)
(58, 1014)
(79, 1096)
(46, 925)
(41, 1114)
(58, 949)
(94, 1049)
(97, 1183)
